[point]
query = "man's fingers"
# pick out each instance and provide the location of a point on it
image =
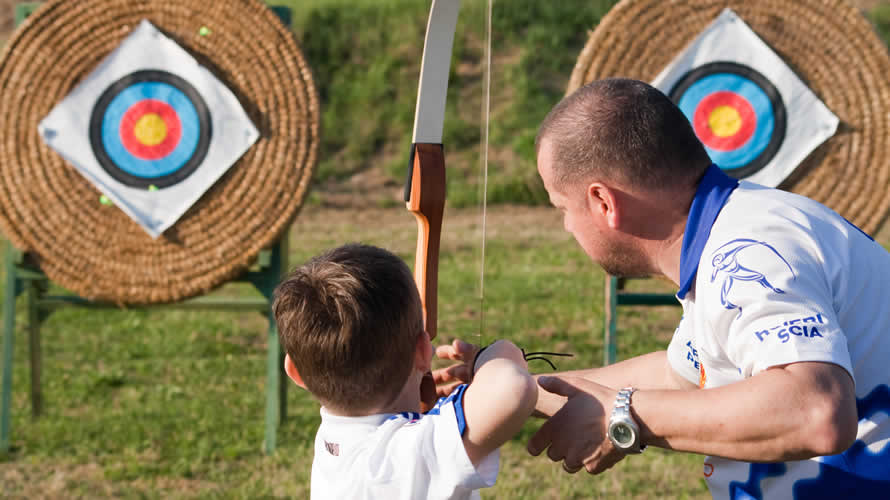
(554, 454)
(541, 440)
(558, 385)
(570, 469)
(594, 466)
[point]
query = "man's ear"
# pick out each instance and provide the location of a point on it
(423, 353)
(603, 201)
(292, 372)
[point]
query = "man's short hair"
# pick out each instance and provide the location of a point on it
(349, 320)
(622, 130)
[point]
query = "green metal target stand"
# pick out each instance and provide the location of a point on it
(22, 276)
(616, 296)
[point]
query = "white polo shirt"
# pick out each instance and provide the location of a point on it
(770, 278)
(399, 456)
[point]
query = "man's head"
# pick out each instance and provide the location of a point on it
(615, 156)
(351, 322)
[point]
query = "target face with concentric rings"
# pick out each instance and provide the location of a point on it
(736, 112)
(757, 119)
(150, 128)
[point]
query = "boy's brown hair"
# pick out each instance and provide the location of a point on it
(349, 320)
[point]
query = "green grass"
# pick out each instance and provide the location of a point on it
(155, 404)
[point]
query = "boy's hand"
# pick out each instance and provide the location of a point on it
(460, 373)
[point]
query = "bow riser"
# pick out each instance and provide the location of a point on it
(426, 200)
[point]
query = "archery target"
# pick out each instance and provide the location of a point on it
(756, 118)
(736, 112)
(151, 128)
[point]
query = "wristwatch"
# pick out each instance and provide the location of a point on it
(623, 430)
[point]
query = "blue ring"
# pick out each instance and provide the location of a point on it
(188, 118)
(756, 97)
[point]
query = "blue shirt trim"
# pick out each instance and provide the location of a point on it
(710, 197)
(457, 399)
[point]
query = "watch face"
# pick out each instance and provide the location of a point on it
(622, 434)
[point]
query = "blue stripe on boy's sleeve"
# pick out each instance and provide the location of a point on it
(459, 408)
(457, 398)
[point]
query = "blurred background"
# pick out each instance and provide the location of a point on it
(158, 404)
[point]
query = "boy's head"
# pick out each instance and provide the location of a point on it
(350, 320)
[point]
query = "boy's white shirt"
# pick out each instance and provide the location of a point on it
(399, 456)
(783, 279)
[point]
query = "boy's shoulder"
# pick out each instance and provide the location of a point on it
(407, 448)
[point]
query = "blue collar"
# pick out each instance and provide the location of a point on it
(712, 193)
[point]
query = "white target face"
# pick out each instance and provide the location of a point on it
(756, 118)
(150, 128)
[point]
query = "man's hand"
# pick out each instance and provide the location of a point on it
(460, 373)
(576, 433)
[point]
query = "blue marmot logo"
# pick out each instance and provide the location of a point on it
(728, 262)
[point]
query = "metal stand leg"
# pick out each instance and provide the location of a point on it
(11, 290)
(610, 341)
(276, 389)
(34, 319)
(273, 384)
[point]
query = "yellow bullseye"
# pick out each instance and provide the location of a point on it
(150, 129)
(724, 121)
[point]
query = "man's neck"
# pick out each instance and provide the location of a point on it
(668, 252)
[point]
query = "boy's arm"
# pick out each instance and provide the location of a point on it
(498, 401)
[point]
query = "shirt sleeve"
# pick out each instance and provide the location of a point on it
(429, 449)
(454, 466)
(682, 354)
(768, 296)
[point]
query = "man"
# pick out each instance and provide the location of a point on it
(785, 326)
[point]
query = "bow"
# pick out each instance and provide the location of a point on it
(425, 187)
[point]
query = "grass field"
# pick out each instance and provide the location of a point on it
(170, 404)
(154, 404)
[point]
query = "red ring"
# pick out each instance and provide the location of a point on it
(137, 111)
(735, 101)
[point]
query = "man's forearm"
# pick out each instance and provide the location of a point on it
(649, 371)
(792, 413)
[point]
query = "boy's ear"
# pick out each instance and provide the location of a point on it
(423, 353)
(292, 372)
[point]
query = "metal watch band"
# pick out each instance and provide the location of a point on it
(621, 412)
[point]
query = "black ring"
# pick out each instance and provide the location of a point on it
(775, 98)
(194, 161)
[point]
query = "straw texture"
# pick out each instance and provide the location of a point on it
(831, 47)
(48, 209)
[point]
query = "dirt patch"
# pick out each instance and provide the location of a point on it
(65, 481)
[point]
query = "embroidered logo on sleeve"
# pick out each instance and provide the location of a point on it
(807, 327)
(738, 260)
(692, 355)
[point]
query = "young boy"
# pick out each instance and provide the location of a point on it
(351, 323)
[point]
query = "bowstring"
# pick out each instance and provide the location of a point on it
(486, 121)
